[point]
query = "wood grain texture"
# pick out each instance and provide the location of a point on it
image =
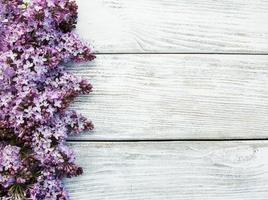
(175, 25)
(171, 171)
(176, 96)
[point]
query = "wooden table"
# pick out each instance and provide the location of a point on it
(180, 100)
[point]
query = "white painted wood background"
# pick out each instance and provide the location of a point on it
(171, 171)
(169, 73)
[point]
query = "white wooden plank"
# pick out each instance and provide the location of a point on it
(171, 171)
(175, 25)
(176, 96)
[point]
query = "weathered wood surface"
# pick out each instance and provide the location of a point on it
(172, 97)
(171, 171)
(175, 25)
(176, 96)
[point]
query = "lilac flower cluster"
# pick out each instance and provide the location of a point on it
(36, 37)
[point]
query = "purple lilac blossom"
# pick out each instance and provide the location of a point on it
(36, 39)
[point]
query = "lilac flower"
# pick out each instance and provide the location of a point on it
(35, 39)
(10, 163)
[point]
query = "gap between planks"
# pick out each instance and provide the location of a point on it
(180, 53)
(165, 140)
